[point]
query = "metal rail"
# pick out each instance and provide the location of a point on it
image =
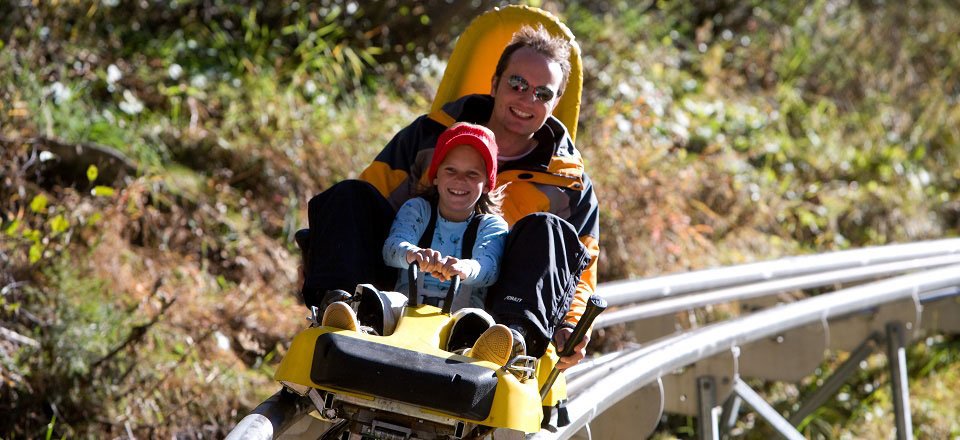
(633, 291)
(584, 373)
(627, 375)
(738, 293)
(589, 371)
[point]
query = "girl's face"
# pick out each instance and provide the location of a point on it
(461, 179)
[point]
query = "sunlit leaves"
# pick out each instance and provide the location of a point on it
(36, 252)
(92, 173)
(59, 224)
(102, 191)
(39, 203)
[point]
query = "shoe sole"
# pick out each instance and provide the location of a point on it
(494, 345)
(340, 315)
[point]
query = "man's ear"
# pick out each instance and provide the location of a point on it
(494, 82)
(554, 104)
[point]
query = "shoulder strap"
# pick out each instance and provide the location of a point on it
(469, 235)
(427, 237)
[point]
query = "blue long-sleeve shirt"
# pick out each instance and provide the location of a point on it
(483, 267)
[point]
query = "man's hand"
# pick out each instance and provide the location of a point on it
(579, 352)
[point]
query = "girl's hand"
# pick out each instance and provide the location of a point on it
(451, 267)
(429, 260)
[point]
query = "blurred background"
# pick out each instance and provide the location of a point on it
(157, 157)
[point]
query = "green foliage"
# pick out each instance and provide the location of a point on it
(744, 83)
(47, 232)
(49, 434)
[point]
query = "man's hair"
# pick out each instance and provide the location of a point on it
(555, 49)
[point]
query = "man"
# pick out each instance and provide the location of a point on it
(549, 265)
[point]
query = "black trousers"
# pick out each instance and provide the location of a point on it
(542, 263)
(348, 224)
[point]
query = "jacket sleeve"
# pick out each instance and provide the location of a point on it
(585, 217)
(408, 225)
(397, 169)
(487, 252)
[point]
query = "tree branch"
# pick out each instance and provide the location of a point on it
(136, 333)
(13, 336)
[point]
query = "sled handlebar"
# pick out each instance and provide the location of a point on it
(454, 287)
(413, 271)
(413, 299)
(595, 305)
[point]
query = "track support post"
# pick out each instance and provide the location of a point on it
(897, 360)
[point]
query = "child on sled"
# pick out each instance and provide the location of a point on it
(452, 228)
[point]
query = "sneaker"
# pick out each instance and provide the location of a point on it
(322, 298)
(519, 345)
(340, 315)
(370, 309)
(332, 296)
(468, 324)
(494, 345)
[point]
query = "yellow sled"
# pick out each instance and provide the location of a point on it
(405, 385)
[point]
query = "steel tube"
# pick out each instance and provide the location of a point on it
(897, 360)
(836, 380)
(685, 302)
(587, 372)
(731, 411)
(766, 411)
(632, 291)
(707, 423)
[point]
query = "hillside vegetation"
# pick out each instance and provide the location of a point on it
(157, 158)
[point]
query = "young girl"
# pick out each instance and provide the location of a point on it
(452, 228)
(462, 174)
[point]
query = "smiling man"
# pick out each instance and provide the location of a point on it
(549, 265)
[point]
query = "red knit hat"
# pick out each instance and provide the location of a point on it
(463, 133)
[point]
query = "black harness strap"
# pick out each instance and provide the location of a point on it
(469, 235)
(469, 238)
(427, 237)
(466, 250)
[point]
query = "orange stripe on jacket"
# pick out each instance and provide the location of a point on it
(384, 178)
(521, 199)
(588, 281)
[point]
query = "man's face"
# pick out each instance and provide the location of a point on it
(520, 105)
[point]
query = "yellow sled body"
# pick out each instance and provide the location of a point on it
(408, 372)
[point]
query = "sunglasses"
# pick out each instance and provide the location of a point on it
(520, 84)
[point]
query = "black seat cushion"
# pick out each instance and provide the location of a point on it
(457, 388)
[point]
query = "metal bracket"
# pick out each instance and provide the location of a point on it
(788, 357)
(837, 379)
(708, 420)
(681, 389)
(643, 409)
(846, 333)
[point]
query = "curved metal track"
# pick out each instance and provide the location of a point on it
(604, 382)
